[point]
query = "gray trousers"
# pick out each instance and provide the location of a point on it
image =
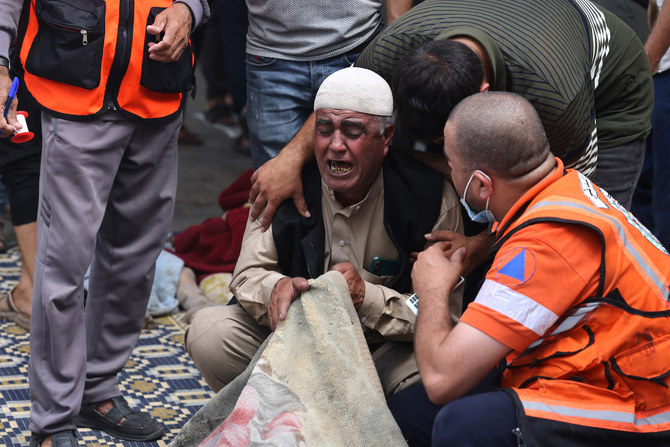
(222, 340)
(107, 191)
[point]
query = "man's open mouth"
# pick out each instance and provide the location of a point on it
(339, 167)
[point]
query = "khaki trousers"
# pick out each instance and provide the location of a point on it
(222, 340)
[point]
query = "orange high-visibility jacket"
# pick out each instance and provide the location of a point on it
(601, 369)
(83, 57)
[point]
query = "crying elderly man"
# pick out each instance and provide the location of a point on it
(372, 208)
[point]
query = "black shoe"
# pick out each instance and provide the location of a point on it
(66, 438)
(137, 426)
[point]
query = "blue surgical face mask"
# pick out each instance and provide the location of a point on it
(485, 216)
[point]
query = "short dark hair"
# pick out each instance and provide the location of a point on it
(500, 133)
(429, 81)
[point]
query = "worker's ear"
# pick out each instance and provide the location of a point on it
(484, 186)
(484, 87)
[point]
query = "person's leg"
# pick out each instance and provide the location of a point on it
(660, 202)
(77, 172)
(211, 57)
(189, 295)
(396, 365)
(641, 204)
(4, 207)
(135, 226)
(415, 414)
(618, 170)
(23, 180)
(133, 231)
(21, 174)
(233, 24)
(233, 27)
(222, 340)
(280, 98)
(219, 112)
(278, 103)
(479, 420)
(22, 295)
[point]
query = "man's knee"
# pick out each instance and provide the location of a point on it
(396, 366)
(460, 422)
(221, 340)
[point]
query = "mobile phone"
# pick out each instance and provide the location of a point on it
(384, 266)
(413, 301)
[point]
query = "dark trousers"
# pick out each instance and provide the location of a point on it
(651, 202)
(485, 417)
(482, 420)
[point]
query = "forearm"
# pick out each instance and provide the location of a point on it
(659, 38)
(252, 288)
(256, 272)
(199, 11)
(384, 310)
(10, 12)
(432, 329)
(300, 150)
(396, 8)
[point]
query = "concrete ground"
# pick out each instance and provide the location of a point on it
(204, 170)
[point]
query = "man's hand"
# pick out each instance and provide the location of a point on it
(284, 293)
(6, 128)
(354, 281)
(477, 247)
(277, 180)
(435, 273)
(175, 22)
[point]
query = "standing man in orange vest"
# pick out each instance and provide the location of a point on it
(110, 78)
(576, 301)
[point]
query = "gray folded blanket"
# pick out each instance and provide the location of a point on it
(312, 383)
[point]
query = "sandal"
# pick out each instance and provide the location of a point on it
(66, 438)
(8, 311)
(120, 421)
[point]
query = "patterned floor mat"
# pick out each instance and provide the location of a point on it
(159, 377)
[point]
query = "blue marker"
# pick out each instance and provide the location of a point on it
(12, 94)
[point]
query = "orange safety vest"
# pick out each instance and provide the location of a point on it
(84, 57)
(604, 364)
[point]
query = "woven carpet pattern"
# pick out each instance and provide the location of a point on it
(159, 377)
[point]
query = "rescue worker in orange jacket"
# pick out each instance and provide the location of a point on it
(576, 300)
(110, 78)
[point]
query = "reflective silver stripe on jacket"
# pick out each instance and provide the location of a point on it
(602, 415)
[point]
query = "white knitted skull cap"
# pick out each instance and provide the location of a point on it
(357, 89)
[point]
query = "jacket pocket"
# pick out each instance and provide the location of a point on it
(645, 369)
(161, 77)
(69, 42)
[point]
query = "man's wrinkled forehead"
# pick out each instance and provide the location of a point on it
(347, 120)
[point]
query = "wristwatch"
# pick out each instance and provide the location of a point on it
(4, 62)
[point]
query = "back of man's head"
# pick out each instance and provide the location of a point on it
(429, 81)
(499, 133)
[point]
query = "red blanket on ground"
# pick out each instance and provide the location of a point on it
(214, 245)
